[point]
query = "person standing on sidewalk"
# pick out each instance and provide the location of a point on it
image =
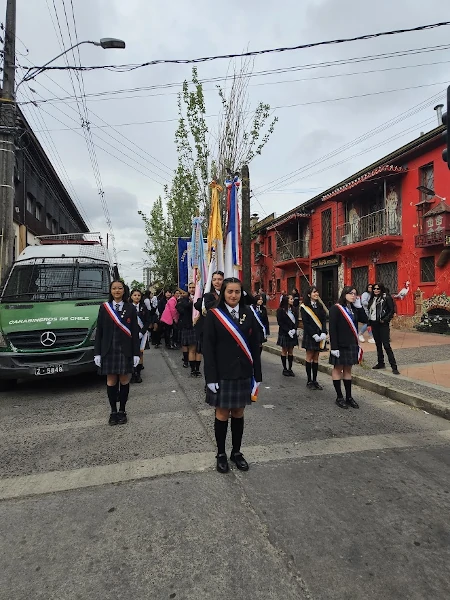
(232, 367)
(169, 318)
(381, 312)
(365, 297)
(143, 318)
(314, 334)
(345, 351)
(116, 348)
(287, 333)
(185, 307)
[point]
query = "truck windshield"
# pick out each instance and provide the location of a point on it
(38, 282)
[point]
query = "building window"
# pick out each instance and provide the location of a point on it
(427, 269)
(278, 285)
(38, 211)
(269, 246)
(270, 286)
(54, 226)
(426, 175)
(326, 230)
(48, 221)
(360, 278)
(387, 273)
(256, 249)
(30, 203)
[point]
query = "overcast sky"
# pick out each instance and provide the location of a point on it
(317, 125)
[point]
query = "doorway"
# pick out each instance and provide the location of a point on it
(327, 284)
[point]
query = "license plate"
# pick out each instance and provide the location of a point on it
(54, 370)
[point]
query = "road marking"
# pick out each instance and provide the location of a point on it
(59, 481)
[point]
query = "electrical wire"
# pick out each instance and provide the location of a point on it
(204, 59)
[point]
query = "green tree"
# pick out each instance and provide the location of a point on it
(137, 285)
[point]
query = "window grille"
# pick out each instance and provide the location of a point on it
(278, 285)
(360, 278)
(427, 269)
(326, 230)
(386, 273)
(291, 284)
(269, 246)
(427, 179)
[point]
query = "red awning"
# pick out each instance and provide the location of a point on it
(365, 177)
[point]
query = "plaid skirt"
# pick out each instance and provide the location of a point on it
(188, 337)
(285, 341)
(116, 363)
(308, 343)
(348, 356)
(233, 393)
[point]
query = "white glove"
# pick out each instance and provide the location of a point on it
(98, 360)
(214, 387)
(323, 336)
(316, 337)
(291, 333)
(141, 335)
(335, 353)
(136, 360)
(357, 302)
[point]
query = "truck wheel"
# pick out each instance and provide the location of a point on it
(7, 384)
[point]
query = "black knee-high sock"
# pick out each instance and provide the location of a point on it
(220, 431)
(123, 395)
(308, 370)
(112, 396)
(185, 357)
(197, 365)
(290, 361)
(348, 388)
(283, 361)
(192, 364)
(315, 368)
(237, 429)
(337, 387)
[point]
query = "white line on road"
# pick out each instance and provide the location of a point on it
(59, 481)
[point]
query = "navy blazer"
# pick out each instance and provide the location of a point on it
(309, 325)
(129, 346)
(224, 358)
(341, 335)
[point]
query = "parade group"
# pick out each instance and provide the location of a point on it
(228, 333)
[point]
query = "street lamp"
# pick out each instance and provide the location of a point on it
(429, 192)
(105, 43)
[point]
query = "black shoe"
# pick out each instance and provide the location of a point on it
(351, 402)
(198, 374)
(310, 385)
(286, 373)
(222, 463)
(395, 371)
(316, 386)
(121, 417)
(239, 461)
(137, 378)
(157, 345)
(185, 364)
(341, 402)
(379, 366)
(291, 373)
(113, 419)
(193, 374)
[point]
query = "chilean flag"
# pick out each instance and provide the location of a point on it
(233, 240)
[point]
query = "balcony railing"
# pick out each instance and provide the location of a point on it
(377, 224)
(292, 250)
(432, 238)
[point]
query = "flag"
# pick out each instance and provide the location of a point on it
(233, 241)
(197, 261)
(215, 235)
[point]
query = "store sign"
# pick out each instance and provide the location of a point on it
(324, 263)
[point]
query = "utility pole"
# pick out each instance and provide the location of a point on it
(246, 231)
(7, 148)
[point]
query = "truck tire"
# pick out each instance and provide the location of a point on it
(7, 385)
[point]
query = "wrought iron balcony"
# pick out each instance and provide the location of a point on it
(292, 250)
(377, 224)
(432, 238)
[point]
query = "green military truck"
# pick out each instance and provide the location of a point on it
(49, 307)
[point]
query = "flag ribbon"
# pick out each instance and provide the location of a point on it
(112, 313)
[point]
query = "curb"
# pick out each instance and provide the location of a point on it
(434, 407)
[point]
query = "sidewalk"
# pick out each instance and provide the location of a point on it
(423, 361)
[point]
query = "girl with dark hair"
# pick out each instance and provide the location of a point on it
(345, 351)
(169, 318)
(314, 334)
(143, 318)
(203, 304)
(151, 304)
(296, 305)
(287, 333)
(116, 348)
(381, 311)
(232, 368)
(188, 335)
(260, 312)
(365, 297)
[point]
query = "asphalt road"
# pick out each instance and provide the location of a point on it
(337, 504)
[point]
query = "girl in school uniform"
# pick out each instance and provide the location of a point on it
(314, 334)
(188, 335)
(232, 368)
(143, 318)
(117, 348)
(262, 317)
(203, 304)
(169, 317)
(287, 333)
(345, 351)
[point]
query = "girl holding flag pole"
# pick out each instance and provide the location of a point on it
(345, 351)
(314, 334)
(116, 348)
(231, 340)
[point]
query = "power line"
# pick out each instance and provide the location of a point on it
(256, 52)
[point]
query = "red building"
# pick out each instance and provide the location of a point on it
(374, 226)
